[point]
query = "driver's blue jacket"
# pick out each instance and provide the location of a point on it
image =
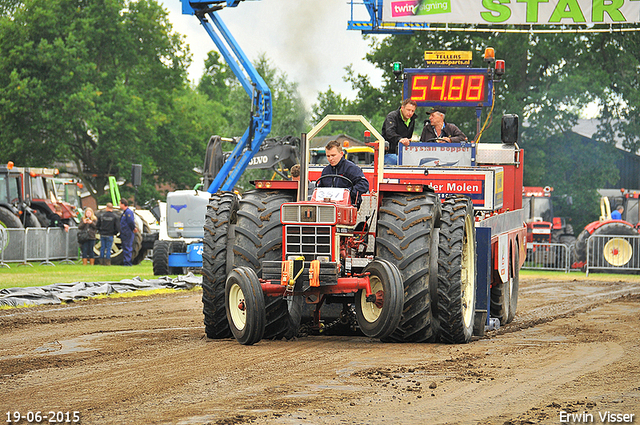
(349, 170)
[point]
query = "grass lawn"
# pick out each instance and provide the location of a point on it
(39, 275)
(578, 275)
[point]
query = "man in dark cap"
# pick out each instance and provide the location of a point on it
(436, 129)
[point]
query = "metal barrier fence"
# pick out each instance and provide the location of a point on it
(37, 244)
(616, 253)
(548, 256)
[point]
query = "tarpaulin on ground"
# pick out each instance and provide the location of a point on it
(68, 292)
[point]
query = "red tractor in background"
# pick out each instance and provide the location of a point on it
(536, 201)
(542, 224)
(545, 231)
(28, 197)
(617, 252)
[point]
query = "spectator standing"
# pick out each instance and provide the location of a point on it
(127, 232)
(108, 226)
(87, 228)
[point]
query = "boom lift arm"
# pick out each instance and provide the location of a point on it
(252, 82)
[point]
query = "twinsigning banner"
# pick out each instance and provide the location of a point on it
(513, 12)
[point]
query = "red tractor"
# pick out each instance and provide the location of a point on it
(544, 228)
(404, 262)
(542, 224)
(613, 252)
(431, 254)
(28, 197)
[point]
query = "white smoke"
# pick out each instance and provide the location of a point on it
(306, 39)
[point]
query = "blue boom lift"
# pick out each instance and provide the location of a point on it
(185, 209)
(252, 82)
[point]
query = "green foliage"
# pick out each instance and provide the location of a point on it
(101, 84)
(220, 85)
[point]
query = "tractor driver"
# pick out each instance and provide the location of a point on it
(339, 165)
(436, 128)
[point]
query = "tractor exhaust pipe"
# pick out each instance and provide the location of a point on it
(303, 184)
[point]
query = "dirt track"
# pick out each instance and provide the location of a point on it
(574, 347)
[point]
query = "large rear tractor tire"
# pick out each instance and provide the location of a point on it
(245, 308)
(457, 271)
(258, 238)
(406, 225)
(220, 213)
(8, 220)
(379, 318)
(581, 245)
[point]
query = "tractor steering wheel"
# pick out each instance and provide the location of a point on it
(337, 175)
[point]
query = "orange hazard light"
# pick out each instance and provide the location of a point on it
(314, 273)
(287, 266)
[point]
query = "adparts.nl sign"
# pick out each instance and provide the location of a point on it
(513, 12)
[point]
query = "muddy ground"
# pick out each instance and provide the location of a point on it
(574, 348)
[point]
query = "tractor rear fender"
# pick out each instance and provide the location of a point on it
(591, 227)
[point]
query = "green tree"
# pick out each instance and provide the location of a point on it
(289, 114)
(101, 84)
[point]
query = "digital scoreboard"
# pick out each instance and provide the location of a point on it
(448, 86)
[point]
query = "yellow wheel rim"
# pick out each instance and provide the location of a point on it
(468, 272)
(617, 252)
(237, 307)
(370, 311)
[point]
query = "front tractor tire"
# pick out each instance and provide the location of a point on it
(220, 213)
(244, 303)
(258, 238)
(407, 222)
(379, 318)
(161, 251)
(457, 271)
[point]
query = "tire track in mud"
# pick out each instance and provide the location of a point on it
(472, 393)
(561, 302)
(149, 362)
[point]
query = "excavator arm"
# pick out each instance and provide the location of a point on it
(255, 86)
